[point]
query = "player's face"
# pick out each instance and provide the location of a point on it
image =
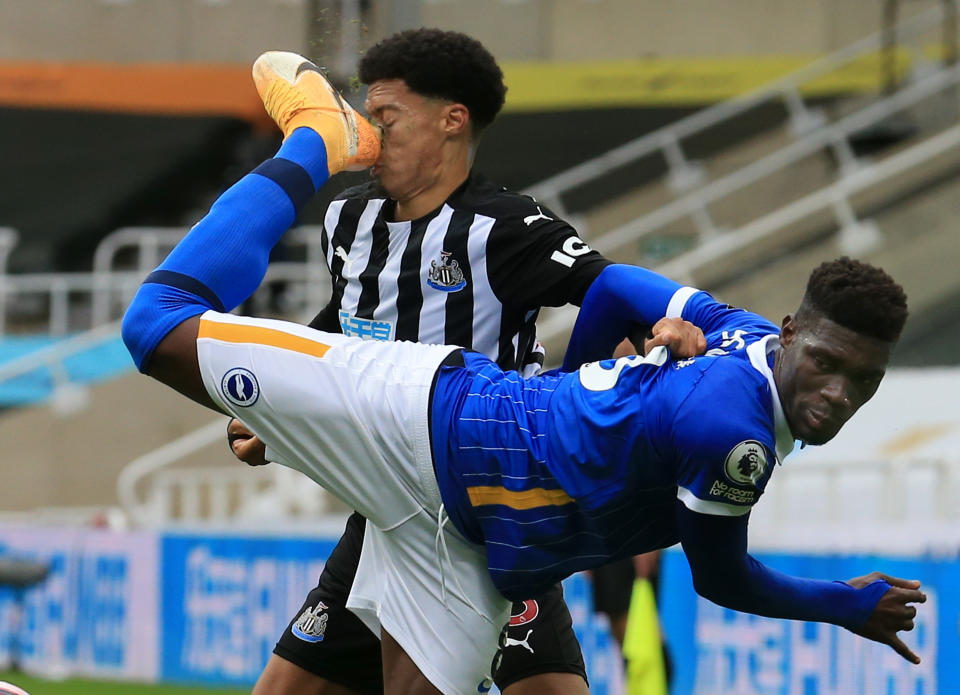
(411, 158)
(825, 372)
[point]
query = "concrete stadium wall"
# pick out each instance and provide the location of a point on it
(74, 460)
(238, 30)
(614, 29)
(149, 30)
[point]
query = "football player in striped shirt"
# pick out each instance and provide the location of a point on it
(483, 487)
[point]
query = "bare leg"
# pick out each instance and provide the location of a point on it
(281, 677)
(400, 675)
(549, 684)
(618, 628)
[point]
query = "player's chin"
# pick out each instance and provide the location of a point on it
(820, 434)
(382, 176)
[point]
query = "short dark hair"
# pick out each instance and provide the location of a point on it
(858, 296)
(440, 64)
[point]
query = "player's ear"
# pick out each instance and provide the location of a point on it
(456, 119)
(788, 329)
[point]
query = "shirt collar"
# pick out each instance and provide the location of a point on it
(758, 353)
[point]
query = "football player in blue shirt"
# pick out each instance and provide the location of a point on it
(544, 476)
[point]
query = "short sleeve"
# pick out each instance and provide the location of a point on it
(713, 317)
(537, 259)
(723, 438)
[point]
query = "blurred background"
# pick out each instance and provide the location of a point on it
(730, 144)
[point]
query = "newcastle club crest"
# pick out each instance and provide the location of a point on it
(312, 623)
(446, 275)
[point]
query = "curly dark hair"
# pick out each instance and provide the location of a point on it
(858, 296)
(440, 64)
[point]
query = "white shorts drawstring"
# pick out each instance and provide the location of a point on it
(440, 546)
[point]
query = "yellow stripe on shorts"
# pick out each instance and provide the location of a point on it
(258, 335)
(522, 499)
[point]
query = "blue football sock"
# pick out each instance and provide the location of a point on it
(224, 257)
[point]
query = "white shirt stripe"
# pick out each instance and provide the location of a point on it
(434, 301)
(330, 221)
(487, 309)
(358, 257)
(678, 301)
(695, 504)
(387, 282)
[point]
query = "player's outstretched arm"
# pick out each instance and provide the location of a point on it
(622, 298)
(723, 572)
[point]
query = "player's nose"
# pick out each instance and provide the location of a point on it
(838, 394)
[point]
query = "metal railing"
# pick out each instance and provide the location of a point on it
(66, 396)
(835, 197)
(109, 288)
(146, 509)
(895, 495)
(150, 493)
(8, 239)
(683, 174)
(855, 178)
(834, 137)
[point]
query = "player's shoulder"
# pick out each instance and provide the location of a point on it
(484, 197)
(725, 415)
(725, 382)
(370, 190)
(737, 331)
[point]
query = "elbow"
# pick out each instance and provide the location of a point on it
(723, 590)
(709, 590)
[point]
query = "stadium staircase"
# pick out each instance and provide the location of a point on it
(747, 223)
(736, 216)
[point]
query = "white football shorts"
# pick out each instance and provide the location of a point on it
(353, 416)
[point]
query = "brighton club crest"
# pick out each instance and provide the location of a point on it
(312, 623)
(446, 275)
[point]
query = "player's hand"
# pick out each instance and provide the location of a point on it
(682, 337)
(892, 613)
(245, 445)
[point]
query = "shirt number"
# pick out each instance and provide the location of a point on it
(594, 376)
(573, 247)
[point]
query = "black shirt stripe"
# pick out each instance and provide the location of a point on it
(369, 278)
(342, 237)
(410, 297)
(458, 326)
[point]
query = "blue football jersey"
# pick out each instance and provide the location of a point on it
(564, 472)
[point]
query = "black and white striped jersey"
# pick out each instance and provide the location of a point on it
(473, 272)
